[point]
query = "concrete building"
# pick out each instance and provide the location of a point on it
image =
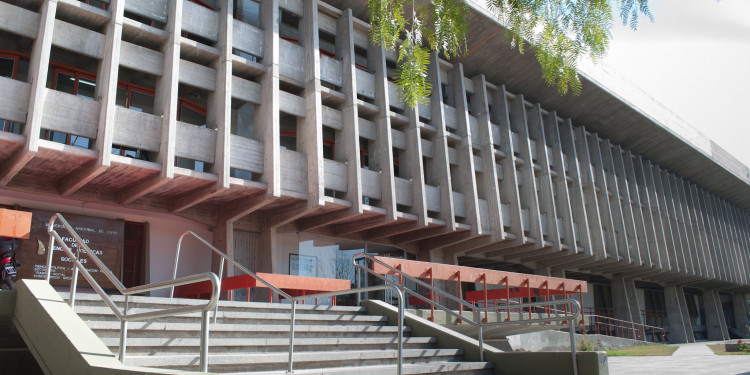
(273, 128)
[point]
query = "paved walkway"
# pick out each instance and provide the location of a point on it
(689, 359)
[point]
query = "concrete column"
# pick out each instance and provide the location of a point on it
(267, 115)
(739, 303)
(223, 239)
(625, 300)
(311, 132)
(467, 183)
(440, 164)
(38, 67)
(680, 329)
(349, 134)
(715, 323)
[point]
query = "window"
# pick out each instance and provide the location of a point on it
(13, 65)
(390, 69)
(76, 82)
(289, 27)
(247, 11)
(135, 97)
(329, 143)
(364, 153)
(395, 162)
(210, 4)
(194, 114)
(360, 58)
(95, 3)
(327, 44)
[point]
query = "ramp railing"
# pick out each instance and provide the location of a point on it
(570, 313)
(124, 316)
(295, 299)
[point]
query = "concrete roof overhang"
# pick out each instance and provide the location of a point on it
(608, 105)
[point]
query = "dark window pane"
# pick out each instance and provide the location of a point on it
(247, 11)
(6, 67)
(65, 83)
(142, 102)
(191, 116)
(86, 88)
(121, 99)
(22, 74)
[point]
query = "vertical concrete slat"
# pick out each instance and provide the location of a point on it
(384, 143)
(719, 233)
(416, 167)
(222, 102)
(268, 112)
(38, 67)
(678, 242)
(546, 193)
(577, 201)
(742, 244)
(693, 228)
(311, 142)
(711, 235)
(620, 203)
(684, 220)
(441, 164)
(600, 182)
(509, 184)
(489, 175)
(518, 119)
(467, 184)
(562, 198)
(733, 226)
(644, 229)
(727, 229)
(702, 234)
(656, 209)
(349, 112)
(167, 89)
(106, 93)
(586, 179)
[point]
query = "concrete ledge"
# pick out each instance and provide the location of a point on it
(510, 363)
(60, 341)
(549, 341)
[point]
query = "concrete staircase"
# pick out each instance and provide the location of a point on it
(252, 338)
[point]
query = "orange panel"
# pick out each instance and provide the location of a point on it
(15, 224)
(474, 275)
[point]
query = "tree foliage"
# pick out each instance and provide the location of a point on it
(559, 31)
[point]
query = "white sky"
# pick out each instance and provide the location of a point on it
(694, 59)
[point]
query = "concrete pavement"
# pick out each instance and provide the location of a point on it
(689, 359)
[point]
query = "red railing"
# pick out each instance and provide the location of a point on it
(653, 317)
(605, 325)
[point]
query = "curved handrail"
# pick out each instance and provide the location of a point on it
(123, 316)
(225, 257)
(575, 306)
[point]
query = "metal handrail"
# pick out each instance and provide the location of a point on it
(123, 316)
(294, 300)
(575, 307)
(624, 325)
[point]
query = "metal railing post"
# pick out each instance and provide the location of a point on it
(400, 296)
(123, 334)
(571, 328)
(204, 341)
(291, 336)
(481, 345)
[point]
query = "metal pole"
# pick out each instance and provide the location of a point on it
(400, 296)
(571, 327)
(357, 280)
(291, 337)
(204, 341)
(221, 274)
(73, 285)
(481, 345)
(50, 250)
(123, 333)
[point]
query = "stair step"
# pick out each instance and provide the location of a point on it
(241, 317)
(446, 368)
(189, 345)
(89, 299)
(302, 360)
(161, 329)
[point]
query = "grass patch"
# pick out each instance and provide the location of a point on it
(721, 349)
(646, 350)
